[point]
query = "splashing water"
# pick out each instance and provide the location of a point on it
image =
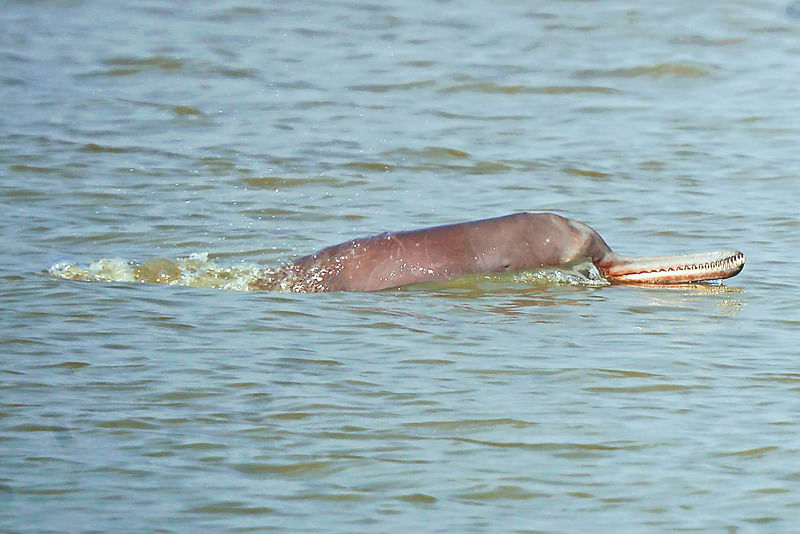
(199, 271)
(196, 270)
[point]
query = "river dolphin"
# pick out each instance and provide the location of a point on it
(518, 242)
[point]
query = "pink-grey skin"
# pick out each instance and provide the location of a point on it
(518, 242)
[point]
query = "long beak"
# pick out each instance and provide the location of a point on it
(678, 268)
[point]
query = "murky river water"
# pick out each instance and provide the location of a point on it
(234, 135)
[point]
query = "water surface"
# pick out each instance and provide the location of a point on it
(244, 134)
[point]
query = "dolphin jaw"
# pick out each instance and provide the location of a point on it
(675, 269)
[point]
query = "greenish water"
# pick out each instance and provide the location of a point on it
(236, 135)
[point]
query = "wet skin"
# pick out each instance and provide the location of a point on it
(518, 242)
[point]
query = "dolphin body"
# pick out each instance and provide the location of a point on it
(518, 242)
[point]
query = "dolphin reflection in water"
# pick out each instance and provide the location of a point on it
(513, 243)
